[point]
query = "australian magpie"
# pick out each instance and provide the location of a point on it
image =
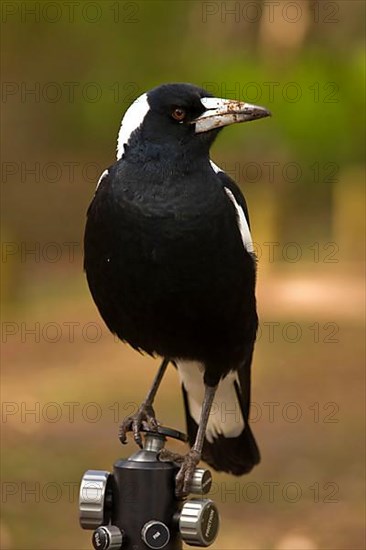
(170, 264)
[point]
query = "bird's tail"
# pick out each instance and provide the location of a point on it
(229, 444)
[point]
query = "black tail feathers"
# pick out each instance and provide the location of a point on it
(235, 455)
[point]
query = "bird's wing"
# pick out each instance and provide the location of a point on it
(230, 184)
(236, 197)
(229, 443)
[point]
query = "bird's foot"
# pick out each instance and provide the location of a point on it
(144, 418)
(183, 480)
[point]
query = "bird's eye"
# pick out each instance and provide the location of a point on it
(178, 114)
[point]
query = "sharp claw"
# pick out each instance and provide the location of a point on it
(122, 435)
(145, 418)
(122, 438)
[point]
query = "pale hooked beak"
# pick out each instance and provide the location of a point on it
(222, 112)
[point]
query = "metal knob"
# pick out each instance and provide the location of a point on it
(199, 522)
(155, 534)
(95, 499)
(107, 537)
(201, 482)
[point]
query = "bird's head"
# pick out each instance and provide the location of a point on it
(176, 114)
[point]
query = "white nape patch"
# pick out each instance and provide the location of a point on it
(104, 174)
(243, 224)
(225, 417)
(133, 118)
(215, 168)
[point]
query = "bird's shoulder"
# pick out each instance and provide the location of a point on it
(230, 185)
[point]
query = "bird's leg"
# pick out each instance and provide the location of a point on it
(192, 458)
(145, 416)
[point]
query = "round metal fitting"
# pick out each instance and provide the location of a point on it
(107, 537)
(199, 522)
(94, 499)
(201, 482)
(155, 534)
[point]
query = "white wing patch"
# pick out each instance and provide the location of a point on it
(104, 174)
(215, 168)
(225, 417)
(133, 118)
(243, 224)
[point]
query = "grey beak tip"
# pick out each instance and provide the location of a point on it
(263, 113)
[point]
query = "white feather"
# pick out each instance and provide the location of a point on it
(243, 224)
(104, 174)
(133, 119)
(215, 168)
(225, 418)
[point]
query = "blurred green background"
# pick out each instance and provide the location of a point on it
(69, 71)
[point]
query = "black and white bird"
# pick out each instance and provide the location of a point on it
(170, 264)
